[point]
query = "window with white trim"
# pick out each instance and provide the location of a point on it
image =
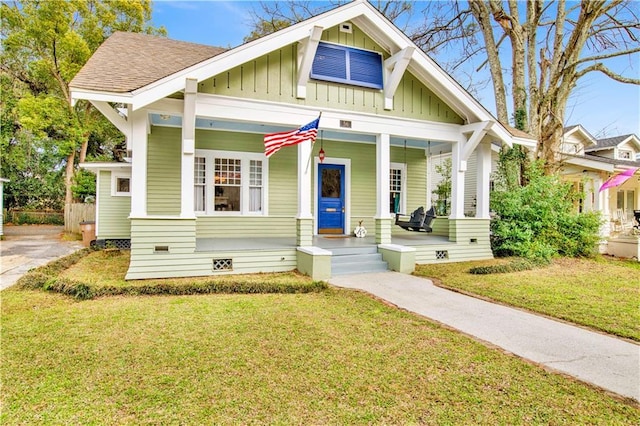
(397, 192)
(624, 155)
(199, 183)
(120, 185)
(348, 65)
(227, 182)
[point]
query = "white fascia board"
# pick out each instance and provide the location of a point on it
(527, 143)
(239, 55)
(586, 137)
(166, 106)
(105, 166)
(226, 108)
(631, 138)
(91, 95)
(592, 164)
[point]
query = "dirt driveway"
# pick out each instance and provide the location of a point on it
(27, 246)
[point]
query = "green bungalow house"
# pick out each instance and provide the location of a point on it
(199, 197)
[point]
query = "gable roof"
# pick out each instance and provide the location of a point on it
(608, 143)
(580, 132)
(145, 89)
(126, 62)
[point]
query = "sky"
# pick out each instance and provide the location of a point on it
(602, 106)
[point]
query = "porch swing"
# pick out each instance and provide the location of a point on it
(419, 220)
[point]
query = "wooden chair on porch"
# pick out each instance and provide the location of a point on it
(419, 221)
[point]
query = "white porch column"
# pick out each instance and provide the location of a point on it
(138, 143)
(305, 166)
(483, 156)
(597, 196)
(304, 221)
(458, 168)
(188, 148)
(383, 162)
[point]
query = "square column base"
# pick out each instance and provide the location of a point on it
(304, 232)
(383, 230)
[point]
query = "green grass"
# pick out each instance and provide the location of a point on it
(330, 357)
(603, 294)
(88, 274)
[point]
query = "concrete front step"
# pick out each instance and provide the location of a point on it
(357, 268)
(353, 260)
(356, 258)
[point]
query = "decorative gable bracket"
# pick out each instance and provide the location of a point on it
(478, 131)
(306, 53)
(394, 68)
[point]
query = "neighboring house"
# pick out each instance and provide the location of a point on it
(589, 162)
(199, 197)
(2, 181)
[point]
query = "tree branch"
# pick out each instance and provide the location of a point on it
(603, 69)
(605, 56)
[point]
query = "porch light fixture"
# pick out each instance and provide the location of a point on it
(321, 155)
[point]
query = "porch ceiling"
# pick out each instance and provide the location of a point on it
(165, 120)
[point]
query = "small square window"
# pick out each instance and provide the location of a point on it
(121, 186)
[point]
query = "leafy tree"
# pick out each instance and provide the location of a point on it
(44, 45)
(539, 220)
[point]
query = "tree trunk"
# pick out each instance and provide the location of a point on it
(481, 13)
(68, 179)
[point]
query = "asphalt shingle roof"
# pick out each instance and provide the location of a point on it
(128, 61)
(609, 142)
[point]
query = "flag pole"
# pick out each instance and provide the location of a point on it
(312, 144)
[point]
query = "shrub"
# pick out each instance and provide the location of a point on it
(514, 266)
(539, 220)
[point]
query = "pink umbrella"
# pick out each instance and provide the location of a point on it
(618, 179)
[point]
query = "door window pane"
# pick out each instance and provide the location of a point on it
(331, 187)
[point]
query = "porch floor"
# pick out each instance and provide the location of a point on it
(322, 241)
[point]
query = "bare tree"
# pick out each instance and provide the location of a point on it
(550, 46)
(271, 16)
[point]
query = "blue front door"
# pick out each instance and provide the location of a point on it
(330, 199)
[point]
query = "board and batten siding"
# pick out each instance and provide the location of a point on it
(273, 77)
(113, 212)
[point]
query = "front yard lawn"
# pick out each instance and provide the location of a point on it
(329, 357)
(603, 294)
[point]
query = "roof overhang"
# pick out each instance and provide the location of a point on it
(590, 164)
(105, 166)
(361, 13)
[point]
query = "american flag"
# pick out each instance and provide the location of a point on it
(274, 141)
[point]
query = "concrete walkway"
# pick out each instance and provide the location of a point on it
(29, 246)
(610, 363)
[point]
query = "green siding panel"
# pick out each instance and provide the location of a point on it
(255, 226)
(113, 212)
(273, 77)
(163, 171)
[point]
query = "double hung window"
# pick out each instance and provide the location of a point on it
(229, 183)
(397, 192)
